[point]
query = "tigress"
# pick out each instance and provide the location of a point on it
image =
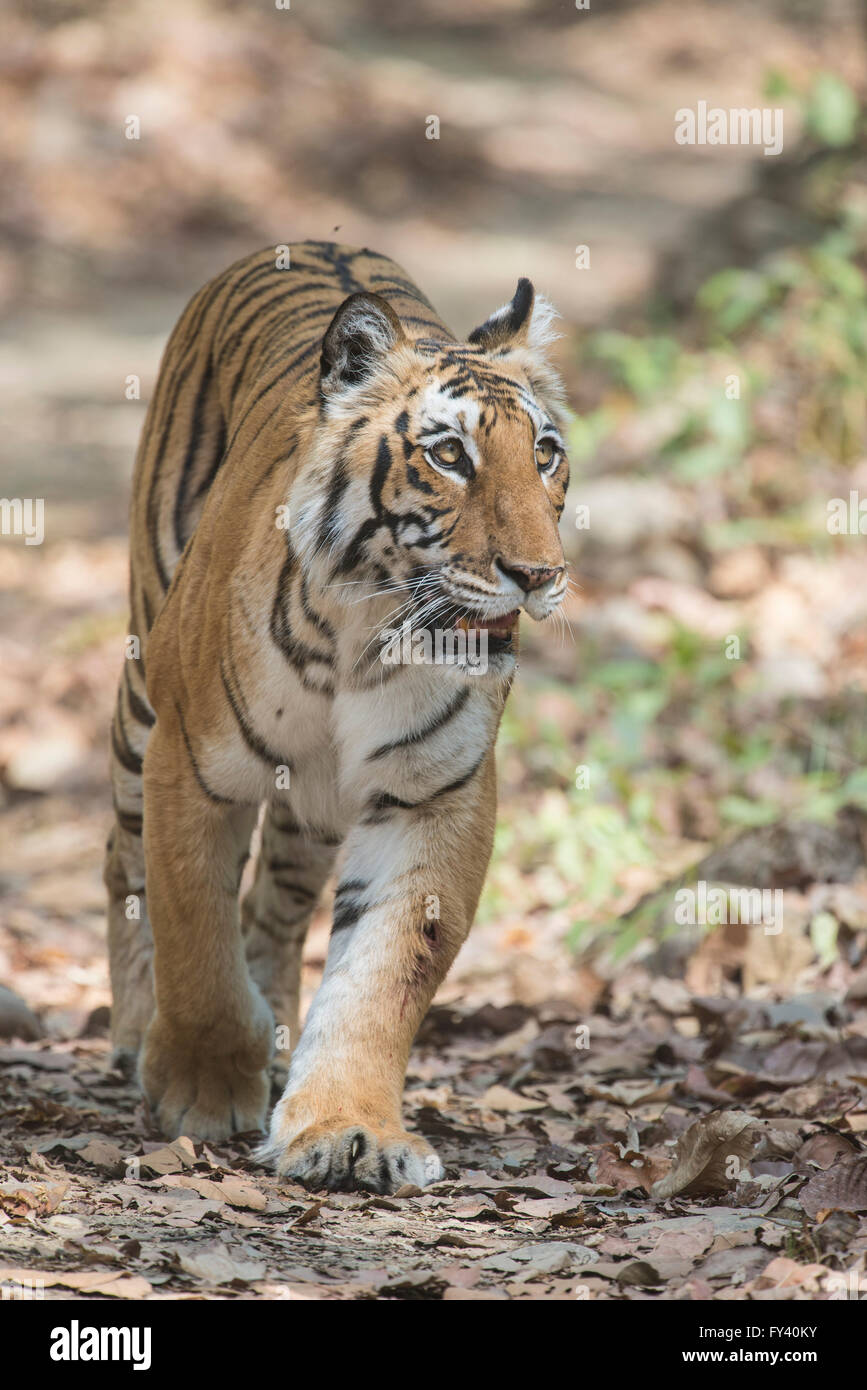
(321, 463)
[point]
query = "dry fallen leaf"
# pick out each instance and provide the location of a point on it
(216, 1263)
(21, 1201)
(233, 1191)
(501, 1098)
(309, 1215)
(104, 1155)
(823, 1151)
(630, 1093)
(242, 1194)
(172, 1158)
(623, 1174)
(112, 1284)
(841, 1188)
(783, 1273)
(709, 1155)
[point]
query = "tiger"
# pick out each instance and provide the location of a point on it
(322, 463)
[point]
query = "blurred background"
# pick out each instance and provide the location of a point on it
(643, 742)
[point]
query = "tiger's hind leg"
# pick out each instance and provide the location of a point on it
(292, 869)
(130, 942)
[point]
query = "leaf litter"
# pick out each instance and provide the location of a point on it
(643, 1175)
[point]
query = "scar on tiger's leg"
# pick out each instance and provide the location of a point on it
(338, 1124)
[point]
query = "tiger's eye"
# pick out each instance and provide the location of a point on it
(545, 452)
(448, 452)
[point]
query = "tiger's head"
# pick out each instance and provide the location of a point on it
(439, 468)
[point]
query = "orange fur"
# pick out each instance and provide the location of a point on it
(326, 388)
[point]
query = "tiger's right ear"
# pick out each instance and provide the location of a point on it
(362, 331)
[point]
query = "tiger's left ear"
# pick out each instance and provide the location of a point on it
(527, 321)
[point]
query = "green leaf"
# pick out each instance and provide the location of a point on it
(734, 297)
(854, 790)
(777, 85)
(832, 110)
(742, 811)
(823, 934)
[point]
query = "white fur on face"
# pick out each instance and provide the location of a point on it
(443, 415)
(541, 332)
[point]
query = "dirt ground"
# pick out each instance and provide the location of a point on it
(684, 1122)
(628, 1107)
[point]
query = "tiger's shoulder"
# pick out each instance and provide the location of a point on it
(243, 358)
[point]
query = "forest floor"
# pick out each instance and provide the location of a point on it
(683, 1118)
(627, 1106)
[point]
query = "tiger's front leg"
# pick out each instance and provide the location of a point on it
(211, 1037)
(408, 891)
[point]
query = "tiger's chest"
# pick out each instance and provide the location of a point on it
(384, 738)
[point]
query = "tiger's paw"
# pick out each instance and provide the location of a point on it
(208, 1092)
(339, 1156)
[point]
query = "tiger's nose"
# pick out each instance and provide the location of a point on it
(529, 577)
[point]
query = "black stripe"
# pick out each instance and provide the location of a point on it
(299, 654)
(400, 285)
(232, 391)
(217, 461)
(287, 826)
(277, 866)
(280, 928)
(420, 322)
(125, 754)
(260, 290)
(203, 786)
(311, 348)
(384, 801)
(351, 885)
(152, 511)
(141, 712)
(261, 318)
(190, 455)
(148, 610)
(336, 488)
(235, 695)
(347, 915)
(315, 619)
(353, 552)
(419, 735)
(185, 340)
(380, 473)
(128, 821)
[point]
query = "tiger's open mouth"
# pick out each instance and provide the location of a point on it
(499, 631)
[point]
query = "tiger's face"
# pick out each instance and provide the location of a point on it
(442, 468)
